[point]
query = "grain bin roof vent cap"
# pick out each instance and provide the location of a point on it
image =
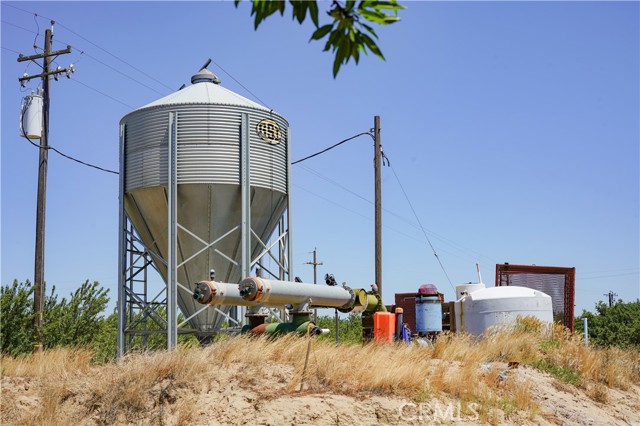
(205, 76)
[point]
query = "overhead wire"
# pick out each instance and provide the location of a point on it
(83, 162)
(83, 52)
(11, 50)
(100, 92)
(35, 39)
(17, 26)
(466, 251)
(385, 158)
(435, 253)
(331, 147)
(96, 45)
(120, 72)
(609, 276)
(370, 219)
(24, 134)
(241, 85)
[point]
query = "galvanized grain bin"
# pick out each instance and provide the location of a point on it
(208, 129)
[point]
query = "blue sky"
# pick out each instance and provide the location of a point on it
(513, 127)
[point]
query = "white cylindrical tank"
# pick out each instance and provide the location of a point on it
(477, 311)
(467, 288)
(31, 116)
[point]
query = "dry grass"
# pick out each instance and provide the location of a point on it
(56, 362)
(167, 384)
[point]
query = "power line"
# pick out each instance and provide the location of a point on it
(11, 50)
(331, 147)
(465, 250)
(35, 39)
(607, 276)
(241, 85)
(24, 134)
(357, 213)
(96, 45)
(17, 26)
(102, 93)
(82, 52)
(82, 162)
(120, 72)
(435, 253)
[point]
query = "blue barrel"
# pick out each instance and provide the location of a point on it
(428, 314)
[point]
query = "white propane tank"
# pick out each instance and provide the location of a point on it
(477, 311)
(31, 116)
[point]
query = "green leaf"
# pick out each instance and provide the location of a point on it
(356, 51)
(377, 17)
(336, 66)
(299, 10)
(313, 12)
(368, 28)
(263, 9)
(387, 5)
(321, 32)
(348, 33)
(372, 46)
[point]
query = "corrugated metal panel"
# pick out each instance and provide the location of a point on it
(268, 162)
(208, 144)
(146, 150)
(208, 147)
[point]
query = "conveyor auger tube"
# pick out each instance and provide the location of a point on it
(216, 293)
(261, 290)
(255, 291)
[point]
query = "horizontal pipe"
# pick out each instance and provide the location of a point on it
(261, 290)
(217, 293)
(254, 292)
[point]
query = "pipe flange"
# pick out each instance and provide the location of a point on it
(347, 307)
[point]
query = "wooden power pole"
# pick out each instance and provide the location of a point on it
(378, 203)
(315, 264)
(38, 282)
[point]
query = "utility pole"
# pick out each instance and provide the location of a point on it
(612, 297)
(38, 282)
(315, 264)
(378, 202)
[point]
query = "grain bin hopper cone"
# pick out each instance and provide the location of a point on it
(205, 183)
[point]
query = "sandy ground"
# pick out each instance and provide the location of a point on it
(234, 398)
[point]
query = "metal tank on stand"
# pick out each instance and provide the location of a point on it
(204, 186)
(428, 311)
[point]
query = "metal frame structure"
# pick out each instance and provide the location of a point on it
(505, 272)
(137, 307)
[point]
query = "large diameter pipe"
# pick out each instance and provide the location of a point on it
(261, 290)
(216, 293)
